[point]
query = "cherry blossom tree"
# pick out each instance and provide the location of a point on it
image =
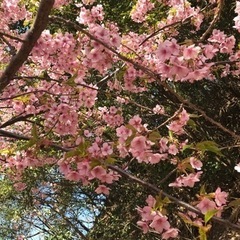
(81, 100)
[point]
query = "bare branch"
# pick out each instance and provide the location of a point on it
(11, 37)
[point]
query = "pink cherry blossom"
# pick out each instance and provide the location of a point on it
(172, 149)
(102, 189)
(139, 144)
(220, 197)
(98, 172)
(106, 149)
(170, 233)
(163, 145)
(195, 163)
(191, 52)
(151, 201)
(20, 186)
(163, 52)
(160, 223)
(146, 213)
(144, 226)
(206, 205)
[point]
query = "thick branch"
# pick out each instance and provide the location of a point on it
(173, 199)
(28, 44)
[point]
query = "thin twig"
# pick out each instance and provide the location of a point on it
(11, 37)
(164, 27)
(169, 119)
(216, 17)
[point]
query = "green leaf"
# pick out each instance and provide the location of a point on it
(79, 151)
(209, 214)
(94, 163)
(209, 146)
(188, 146)
(71, 81)
(192, 124)
(154, 136)
(110, 160)
(29, 144)
(23, 99)
(166, 200)
(194, 116)
(71, 153)
(202, 190)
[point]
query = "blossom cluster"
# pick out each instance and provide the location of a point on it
(213, 202)
(152, 219)
(139, 11)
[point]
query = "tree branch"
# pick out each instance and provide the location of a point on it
(214, 21)
(8, 134)
(28, 44)
(157, 190)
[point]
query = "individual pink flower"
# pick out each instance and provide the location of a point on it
(146, 213)
(160, 223)
(186, 181)
(176, 127)
(106, 178)
(136, 122)
(170, 233)
(139, 143)
(210, 51)
(163, 52)
(64, 167)
(144, 226)
(102, 189)
(206, 205)
(184, 117)
(20, 186)
(195, 163)
(154, 158)
(179, 71)
(123, 132)
(191, 179)
(220, 197)
(191, 52)
(172, 149)
(163, 145)
(98, 172)
(106, 149)
(151, 201)
(73, 176)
